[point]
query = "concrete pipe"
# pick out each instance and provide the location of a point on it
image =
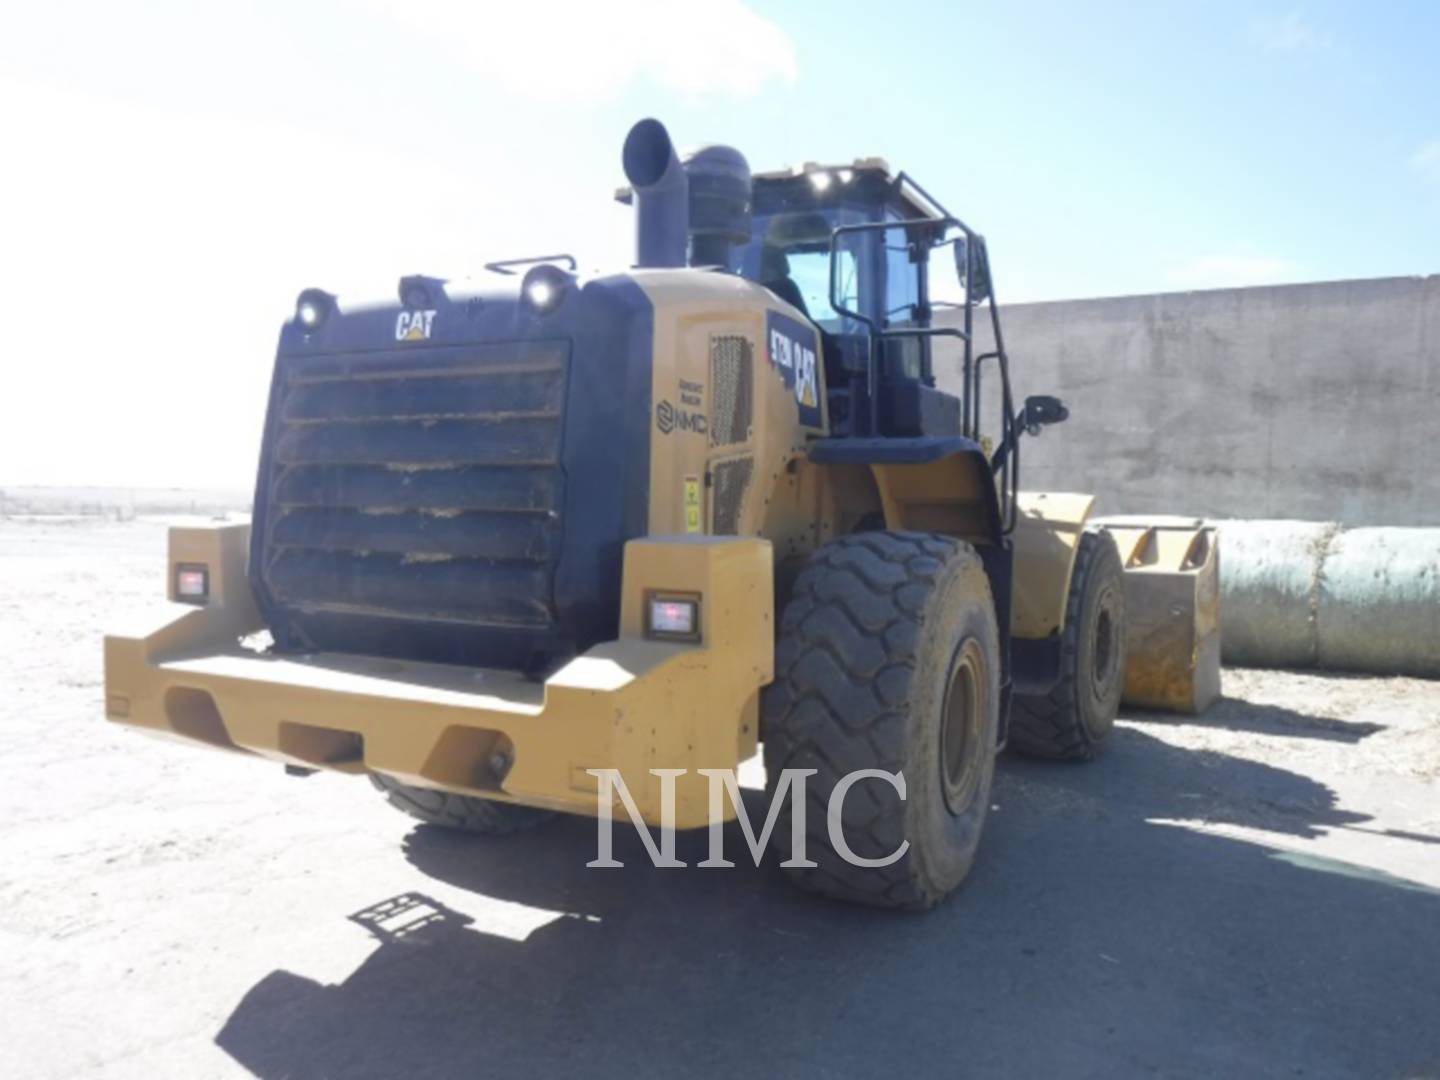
(1380, 602)
(1308, 594)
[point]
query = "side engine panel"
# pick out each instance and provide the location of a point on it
(738, 386)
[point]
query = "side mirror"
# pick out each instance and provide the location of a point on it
(979, 280)
(1040, 410)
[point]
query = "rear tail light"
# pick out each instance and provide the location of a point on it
(673, 617)
(192, 583)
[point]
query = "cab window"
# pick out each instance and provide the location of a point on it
(902, 280)
(903, 355)
(810, 270)
(789, 253)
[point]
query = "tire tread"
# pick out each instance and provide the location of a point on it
(838, 702)
(1050, 725)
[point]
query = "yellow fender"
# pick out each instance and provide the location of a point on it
(1048, 527)
(1172, 595)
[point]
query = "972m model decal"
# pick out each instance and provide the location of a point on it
(791, 348)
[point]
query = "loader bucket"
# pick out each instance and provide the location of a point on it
(1172, 601)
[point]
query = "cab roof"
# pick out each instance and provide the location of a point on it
(909, 192)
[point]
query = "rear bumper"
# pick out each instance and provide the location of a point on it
(631, 704)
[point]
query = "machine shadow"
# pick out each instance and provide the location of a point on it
(1098, 935)
(1238, 714)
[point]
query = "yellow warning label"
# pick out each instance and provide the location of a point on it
(692, 504)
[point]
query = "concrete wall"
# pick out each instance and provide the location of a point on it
(1318, 402)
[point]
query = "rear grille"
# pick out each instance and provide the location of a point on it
(418, 485)
(730, 382)
(732, 480)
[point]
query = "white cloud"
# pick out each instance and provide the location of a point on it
(1233, 272)
(166, 202)
(566, 50)
(1289, 33)
(1426, 161)
(155, 253)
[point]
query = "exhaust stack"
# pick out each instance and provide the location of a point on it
(662, 195)
(691, 214)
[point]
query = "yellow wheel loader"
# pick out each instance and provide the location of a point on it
(545, 541)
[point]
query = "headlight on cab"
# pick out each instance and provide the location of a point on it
(544, 287)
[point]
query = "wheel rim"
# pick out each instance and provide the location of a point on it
(961, 727)
(1105, 651)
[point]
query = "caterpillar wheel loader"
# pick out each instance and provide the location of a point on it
(511, 532)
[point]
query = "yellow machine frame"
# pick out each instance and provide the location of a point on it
(183, 672)
(632, 704)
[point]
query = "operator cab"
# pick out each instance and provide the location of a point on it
(850, 247)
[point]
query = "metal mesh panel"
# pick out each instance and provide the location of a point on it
(415, 497)
(732, 480)
(730, 381)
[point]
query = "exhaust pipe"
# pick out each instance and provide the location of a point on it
(662, 195)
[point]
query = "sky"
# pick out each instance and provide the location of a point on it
(174, 174)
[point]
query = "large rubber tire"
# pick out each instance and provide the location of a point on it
(1071, 722)
(474, 815)
(888, 658)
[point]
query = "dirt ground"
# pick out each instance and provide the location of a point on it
(1253, 893)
